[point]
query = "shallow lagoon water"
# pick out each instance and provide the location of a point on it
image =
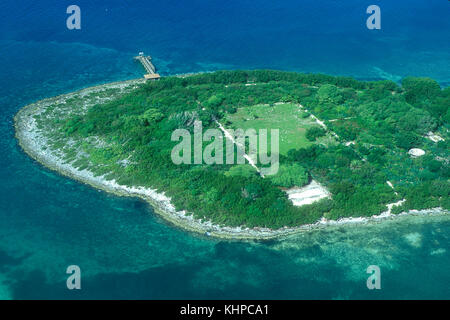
(48, 222)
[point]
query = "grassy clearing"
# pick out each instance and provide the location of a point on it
(289, 118)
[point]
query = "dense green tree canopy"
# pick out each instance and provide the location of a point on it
(129, 139)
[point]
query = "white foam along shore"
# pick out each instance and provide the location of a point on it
(34, 143)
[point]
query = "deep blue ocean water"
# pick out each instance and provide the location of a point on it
(48, 222)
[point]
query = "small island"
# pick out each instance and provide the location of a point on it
(349, 150)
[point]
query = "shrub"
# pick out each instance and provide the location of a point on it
(290, 175)
(315, 132)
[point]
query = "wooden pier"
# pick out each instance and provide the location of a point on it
(146, 62)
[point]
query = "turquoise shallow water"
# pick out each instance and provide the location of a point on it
(48, 222)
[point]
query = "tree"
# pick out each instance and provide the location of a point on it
(314, 132)
(214, 101)
(329, 93)
(290, 175)
(243, 170)
(151, 115)
(251, 191)
(406, 140)
(420, 89)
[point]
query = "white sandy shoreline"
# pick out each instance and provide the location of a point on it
(33, 143)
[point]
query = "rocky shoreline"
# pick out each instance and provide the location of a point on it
(34, 143)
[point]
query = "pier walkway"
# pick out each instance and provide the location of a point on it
(148, 66)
